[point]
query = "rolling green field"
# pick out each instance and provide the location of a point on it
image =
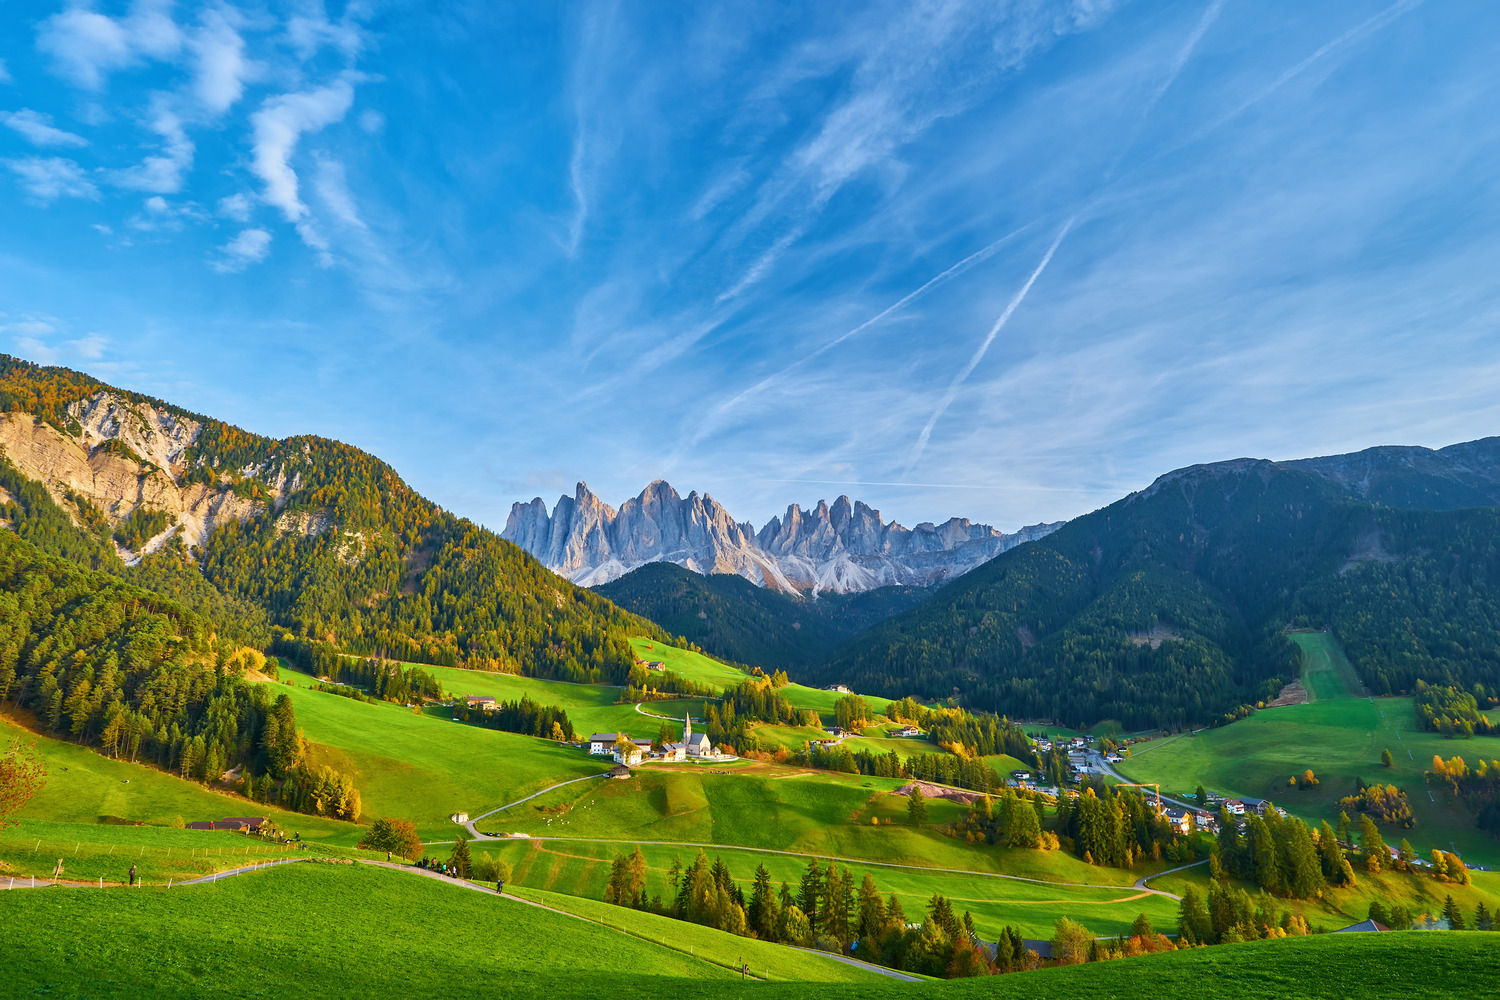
(90, 852)
(84, 787)
(424, 767)
(1326, 672)
(771, 962)
(581, 869)
(353, 930)
(781, 809)
(1340, 738)
(1418, 891)
(707, 670)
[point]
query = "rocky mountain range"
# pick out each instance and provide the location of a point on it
(843, 547)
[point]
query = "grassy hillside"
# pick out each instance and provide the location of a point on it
(424, 767)
(84, 787)
(350, 929)
(581, 869)
(361, 931)
(1340, 737)
(732, 618)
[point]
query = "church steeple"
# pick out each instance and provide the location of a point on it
(687, 727)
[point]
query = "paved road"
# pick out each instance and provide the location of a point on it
(41, 883)
(1103, 766)
(864, 965)
(544, 791)
(239, 871)
(1140, 883)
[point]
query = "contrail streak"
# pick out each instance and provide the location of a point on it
(984, 346)
(976, 257)
(1210, 15)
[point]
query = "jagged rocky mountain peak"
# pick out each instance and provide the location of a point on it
(843, 546)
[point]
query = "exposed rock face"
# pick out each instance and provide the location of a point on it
(150, 475)
(841, 548)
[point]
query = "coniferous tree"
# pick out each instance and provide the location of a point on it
(916, 807)
(810, 892)
(459, 860)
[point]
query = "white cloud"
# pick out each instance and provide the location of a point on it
(279, 124)
(219, 60)
(89, 347)
(249, 247)
(87, 46)
(48, 178)
(311, 30)
(163, 172)
(5, 76)
(37, 128)
(372, 121)
(159, 215)
(236, 207)
(333, 188)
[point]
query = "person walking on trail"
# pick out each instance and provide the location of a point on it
(744, 970)
(132, 875)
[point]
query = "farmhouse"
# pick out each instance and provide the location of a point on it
(603, 744)
(1180, 820)
(907, 731)
(630, 754)
(1257, 806)
(841, 689)
(1234, 807)
(673, 752)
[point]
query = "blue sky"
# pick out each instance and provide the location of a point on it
(1002, 260)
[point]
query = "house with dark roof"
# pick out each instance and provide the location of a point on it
(603, 744)
(1363, 927)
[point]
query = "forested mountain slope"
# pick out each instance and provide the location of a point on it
(733, 619)
(1168, 606)
(306, 535)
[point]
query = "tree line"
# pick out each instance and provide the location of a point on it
(1477, 789)
(526, 717)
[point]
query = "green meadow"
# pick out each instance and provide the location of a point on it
(770, 962)
(88, 788)
(581, 869)
(424, 767)
(781, 809)
(1418, 891)
(317, 931)
(1340, 738)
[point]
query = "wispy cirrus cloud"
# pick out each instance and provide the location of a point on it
(164, 172)
(249, 247)
(37, 129)
(46, 179)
